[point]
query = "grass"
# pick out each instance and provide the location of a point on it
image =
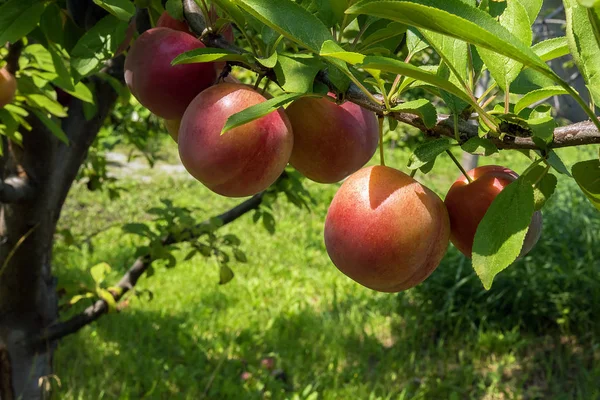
(533, 336)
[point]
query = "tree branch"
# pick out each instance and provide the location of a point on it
(15, 189)
(572, 135)
(128, 282)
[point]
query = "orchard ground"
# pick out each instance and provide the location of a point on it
(535, 335)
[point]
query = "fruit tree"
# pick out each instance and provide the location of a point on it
(330, 80)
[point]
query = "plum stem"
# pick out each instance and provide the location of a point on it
(459, 165)
(381, 152)
(258, 81)
(456, 132)
(266, 86)
(507, 99)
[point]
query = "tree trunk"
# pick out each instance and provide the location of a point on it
(45, 169)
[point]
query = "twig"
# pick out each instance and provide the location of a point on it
(572, 135)
(128, 282)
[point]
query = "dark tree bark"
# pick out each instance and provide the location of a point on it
(36, 179)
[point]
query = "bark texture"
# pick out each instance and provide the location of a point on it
(36, 179)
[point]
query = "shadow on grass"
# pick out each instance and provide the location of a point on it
(143, 354)
(533, 336)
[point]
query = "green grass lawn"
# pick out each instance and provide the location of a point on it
(534, 335)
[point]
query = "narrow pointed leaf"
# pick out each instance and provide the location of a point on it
(500, 235)
(209, 54)
(428, 152)
(456, 19)
(543, 130)
(122, 9)
(423, 108)
(587, 175)
(538, 95)
(225, 274)
(552, 48)
(583, 34)
(402, 68)
(18, 18)
(544, 189)
(99, 272)
(64, 76)
(259, 110)
(291, 20)
(504, 69)
(52, 126)
(480, 146)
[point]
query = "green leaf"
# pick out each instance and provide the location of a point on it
(81, 92)
(456, 19)
(583, 34)
(190, 255)
(555, 162)
(332, 50)
(291, 20)
(117, 85)
(326, 10)
(225, 274)
(543, 110)
(138, 229)
(240, 256)
(504, 69)
(268, 222)
(79, 297)
(402, 68)
(455, 104)
(454, 52)
(52, 25)
(122, 9)
(552, 48)
(268, 62)
(422, 107)
(259, 110)
(392, 30)
(97, 45)
(543, 190)
(415, 42)
(99, 272)
(64, 77)
(108, 298)
(209, 54)
(428, 152)
(51, 125)
(8, 126)
(18, 18)
(480, 146)
(296, 74)
(500, 235)
(530, 80)
(538, 95)
(232, 240)
(587, 175)
(533, 8)
(232, 10)
(41, 55)
(543, 130)
(175, 9)
(589, 3)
